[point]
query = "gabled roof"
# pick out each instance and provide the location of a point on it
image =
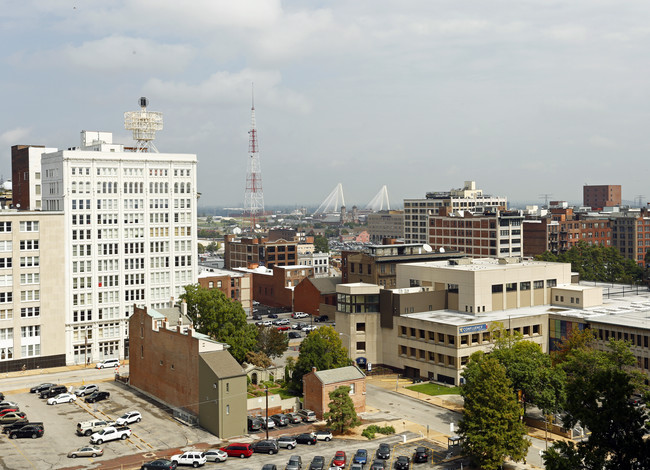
(222, 364)
(342, 374)
(326, 285)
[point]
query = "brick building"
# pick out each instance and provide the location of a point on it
(274, 287)
(26, 175)
(316, 296)
(495, 234)
(235, 284)
(247, 251)
(631, 234)
(601, 196)
(318, 384)
(385, 224)
(188, 371)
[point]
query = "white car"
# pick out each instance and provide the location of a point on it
(11, 404)
(270, 424)
(128, 418)
(193, 458)
(86, 390)
(108, 363)
(62, 398)
(215, 455)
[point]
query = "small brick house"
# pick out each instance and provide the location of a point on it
(317, 386)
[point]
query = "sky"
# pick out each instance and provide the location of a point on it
(525, 97)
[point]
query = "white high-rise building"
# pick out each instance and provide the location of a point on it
(130, 237)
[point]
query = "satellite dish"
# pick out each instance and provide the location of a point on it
(257, 226)
(441, 250)
(426, 247)
(236, 231)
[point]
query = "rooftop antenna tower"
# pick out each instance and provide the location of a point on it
(545, 196)
(254, 196)
(144, 125)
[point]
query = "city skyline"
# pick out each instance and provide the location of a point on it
(525, 100)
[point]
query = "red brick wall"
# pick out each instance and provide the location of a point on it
(20, 184)
(307, 298)
(316, 395)
(163, 363)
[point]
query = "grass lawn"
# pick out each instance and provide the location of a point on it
(434, 389)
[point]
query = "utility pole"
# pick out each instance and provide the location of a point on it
(266, 423)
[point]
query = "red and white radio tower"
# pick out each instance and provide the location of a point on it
(254, 196)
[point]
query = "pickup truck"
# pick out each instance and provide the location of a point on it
(110, 433)
(86, 428)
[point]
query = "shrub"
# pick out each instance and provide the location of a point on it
(373, 429)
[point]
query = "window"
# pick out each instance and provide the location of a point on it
(361, 345)
(524, 285)
(6, 297)
(5, 226)
(538, 284)
(361, 326)
(27, 312)
(29, 226)
(497, 288)
(29, 244)
(352, 388)
(511, 286)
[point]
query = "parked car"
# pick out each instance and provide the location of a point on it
(97, 396)
(62, 398)
(356, 466)
(308, 328)
(306, 438)
(323, 435)
(29, 430)
(41, 387)
(53, 391)
(266, 447)
(340, 459)
(128, 418)
(384, 451)
(267, 423)
(280, 419)
(192, 457)
(8, 404)
(86, 390)
(378, 465)
(282, 328)
(108, 363)
(159, 464)
(294, 335)
(402, 462)
(12, 417)
(317, 463)
(288, 442)
(257, 316)
(237, 449)
(421, 455)
(294, 418)
(254, 424)
(269, 466)
(298, 326)
(308, 416)
(272, 315)
(9, 410)
(361, 456)
(215, 455)
(6, 429)
(322, 318)
(294, 463)
(87, 428)
(86, 451)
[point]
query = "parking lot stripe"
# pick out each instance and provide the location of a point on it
(20, 451)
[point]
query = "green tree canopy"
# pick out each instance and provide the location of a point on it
(214, 314)
(599, 385)
(341, 415)
(491, 425)
(258, 359)
(322, 349)
(597, 263)
(321, 245)
(272, 342)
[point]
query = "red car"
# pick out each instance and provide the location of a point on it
(339, 459)
(283, 328)
(9, 410)
(237, 449)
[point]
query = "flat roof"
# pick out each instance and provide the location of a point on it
(481, 264)
(210, 272)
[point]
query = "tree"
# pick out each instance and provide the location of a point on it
(258, 359)
(599, 385)
(321, 245)
(342, 415)
(322, 349)
(491, 425)
(213, 247)
(201, 248)
(272, 342)
(214, 314)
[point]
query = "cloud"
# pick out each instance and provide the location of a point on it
(13, 136)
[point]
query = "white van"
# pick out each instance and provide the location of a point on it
(108, 363)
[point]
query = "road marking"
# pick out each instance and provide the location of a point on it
(20, 451)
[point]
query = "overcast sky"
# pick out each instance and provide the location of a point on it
(525, 97)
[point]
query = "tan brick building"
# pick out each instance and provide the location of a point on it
(317, 386)
(235, 284)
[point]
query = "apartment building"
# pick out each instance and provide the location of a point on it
(129, 237)
(247, 252)
(32, 311)
(631, 233)
(496, 234)
(26, 175)
(234, 284)
(385, 225)
(467, 198)
(601, 196)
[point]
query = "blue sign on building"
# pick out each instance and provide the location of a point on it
(472, 329)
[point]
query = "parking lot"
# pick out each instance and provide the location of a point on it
(157, 430)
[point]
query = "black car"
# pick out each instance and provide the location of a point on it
(317, 463)
(254, 424)
(272, 315)
(53, 391)
(159, 464)
(97, 396)
(402, 463)
(384, 451)
(269, 466)
(294, 335)
(29, 430)
(306, 438)
(322, 318)
(257, 316)
(41, 387)
(17, 425)
(421, 455)
(2, 396)
(266, 447)
(378, 465)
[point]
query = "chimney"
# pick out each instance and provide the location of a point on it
(313, 369)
